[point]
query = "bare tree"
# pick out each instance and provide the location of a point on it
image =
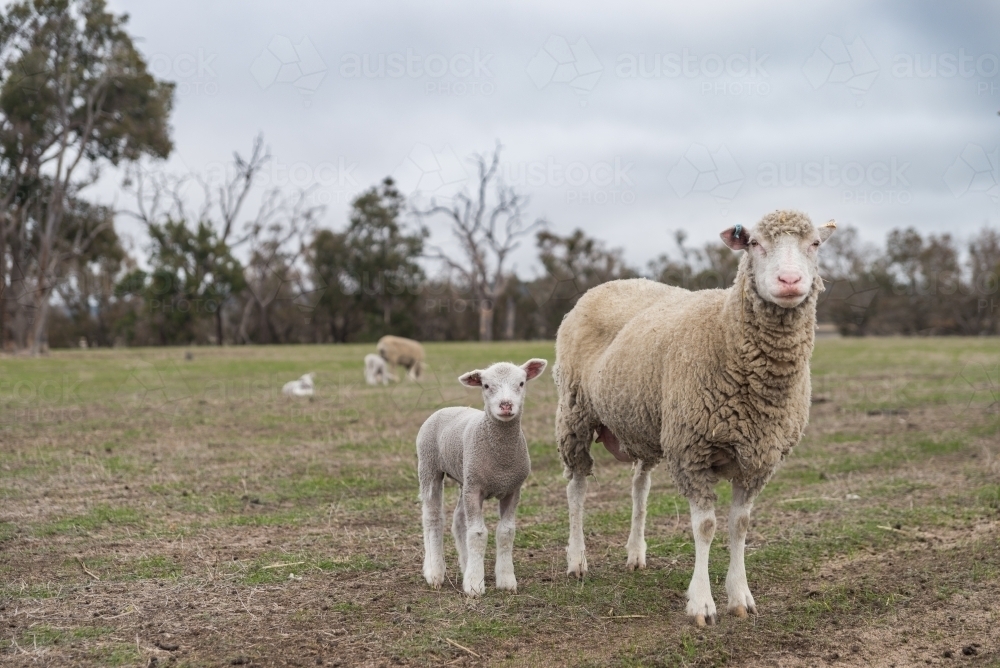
(488, 226)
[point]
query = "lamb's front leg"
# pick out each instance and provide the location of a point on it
(700, 605)
(474, 576)
(636, 545)
(740, 599)
(505, 542)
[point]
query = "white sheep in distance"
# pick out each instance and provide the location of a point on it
(376, 370)
(485, 452)
(715, 383)
(404, 352)
(303, 387)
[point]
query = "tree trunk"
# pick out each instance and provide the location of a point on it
(218, 324)
(486, 320)
(510, 321)
(3, 287)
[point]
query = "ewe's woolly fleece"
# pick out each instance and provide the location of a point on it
(404, 352)
(714, 382)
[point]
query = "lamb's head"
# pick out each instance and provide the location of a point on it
(503, 386)
(782, 255)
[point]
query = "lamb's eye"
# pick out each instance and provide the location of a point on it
(522, 383)
(753, 242)
(816, 244)
(486, 387)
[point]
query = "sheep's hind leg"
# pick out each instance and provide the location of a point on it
(576, 556)
(636, 545)
(738, 592)
(476, 536)
(700, 605)
(458, 529)
(433, 520)
(505, 542)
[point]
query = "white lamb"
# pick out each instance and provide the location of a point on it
(485, 452)
(377, 371)
(715, 383)
(303, 387)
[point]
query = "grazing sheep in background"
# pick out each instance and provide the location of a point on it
(303, 387)
(404, 352)
(376, 370)
(716, 383)
(485, 452)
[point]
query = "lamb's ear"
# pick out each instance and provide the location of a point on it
(534, 367)
(827, 230)
(471, 379)
(736, 237)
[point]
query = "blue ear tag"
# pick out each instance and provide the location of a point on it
(737, 230)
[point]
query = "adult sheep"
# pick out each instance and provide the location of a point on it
(404, 352)
(715, 383)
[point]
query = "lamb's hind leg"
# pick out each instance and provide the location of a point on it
(740, 599)
(433, 519)
(636, 545)
(701, 606)
(458, 529)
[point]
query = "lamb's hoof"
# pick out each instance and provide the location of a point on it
(577, 567)
(636, 563)
(742, 611)
(701, 620)
(434, 579)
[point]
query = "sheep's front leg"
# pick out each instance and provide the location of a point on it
(576, 492)
(636, 545)
(474, 576)
(505, 542)
(433, 519)
(700, 604)
(740, 599)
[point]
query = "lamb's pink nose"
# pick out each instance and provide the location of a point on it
(506, 406)
(790, 278)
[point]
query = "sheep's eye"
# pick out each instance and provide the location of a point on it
(816, 244)
(486, 387)
(522, 383)
(753, 242)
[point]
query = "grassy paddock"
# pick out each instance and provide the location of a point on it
(155, 506)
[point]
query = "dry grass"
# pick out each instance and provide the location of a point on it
(181, 512)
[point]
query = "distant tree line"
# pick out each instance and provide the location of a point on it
(76, 98)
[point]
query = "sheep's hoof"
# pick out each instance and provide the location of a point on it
(701, 620)
(739, 611)
(636, 564)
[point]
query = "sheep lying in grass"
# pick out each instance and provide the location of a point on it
(485, 452)
(404, 352)
(303, 387)
(716, 383)
(376, 371)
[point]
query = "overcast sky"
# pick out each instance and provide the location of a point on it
(629, 120)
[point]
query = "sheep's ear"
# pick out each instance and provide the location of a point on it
(471, 379)
(534, 367)
(827, 230)
(736, 237)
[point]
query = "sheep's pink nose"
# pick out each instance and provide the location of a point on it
(790, 278)
(506, 406)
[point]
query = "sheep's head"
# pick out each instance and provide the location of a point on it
(503, 386)
(782, 252)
